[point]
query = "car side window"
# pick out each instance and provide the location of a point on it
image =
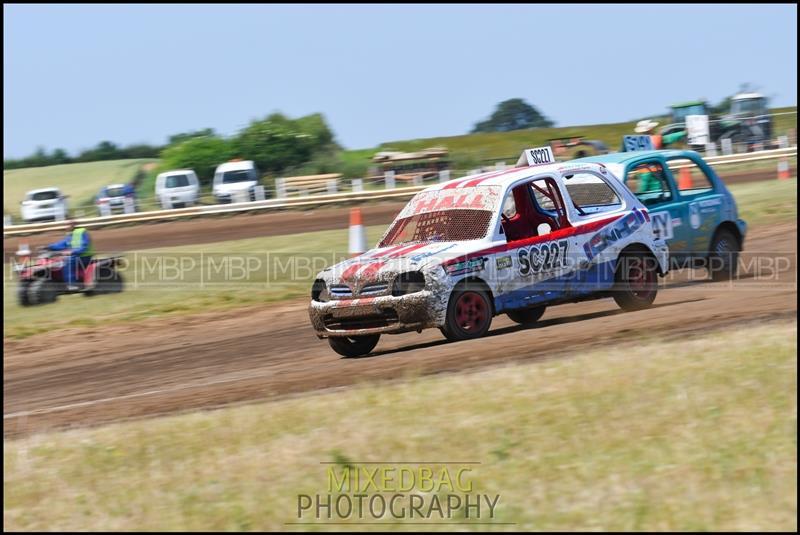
(649, 183)
(689, 177)
(591, 194)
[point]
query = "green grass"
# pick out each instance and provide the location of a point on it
(764, 203)
(81, 181)
(268, 280)
(759, 203)
(686, 435)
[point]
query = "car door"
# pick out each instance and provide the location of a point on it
(537, 233)
(701, 198)
(653, 184)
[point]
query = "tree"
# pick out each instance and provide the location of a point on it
(203, 154)
(277, 142)
(513, 114)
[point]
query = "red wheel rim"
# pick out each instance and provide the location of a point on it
(471, 311)
(641, 278)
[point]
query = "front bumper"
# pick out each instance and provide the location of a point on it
(373, 315)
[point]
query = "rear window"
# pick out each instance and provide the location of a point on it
(442, 225)
(44, 196)
(591, 194)
(176, 181)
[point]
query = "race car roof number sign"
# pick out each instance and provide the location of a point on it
(634, 143)
(537, 156)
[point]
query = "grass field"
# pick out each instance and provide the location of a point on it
(269, 280)
(687, 435)
(81, 181)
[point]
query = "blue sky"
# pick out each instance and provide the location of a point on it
(76, 75)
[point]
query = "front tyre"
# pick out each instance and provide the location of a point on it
(469, 315)
(635, 285)
(723, 257)
(526, 317)
(42, 291)
(354, 346)
(22, 293)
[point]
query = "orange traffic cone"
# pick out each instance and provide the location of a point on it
(358, 239)
(783, 169)
(684, 179)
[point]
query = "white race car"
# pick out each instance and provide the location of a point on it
(511, 241)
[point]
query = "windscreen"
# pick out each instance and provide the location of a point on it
(445, 215)
(245, 175)
(753, 105)
(177, 181)
(681, 113)
(116, 192)
(44, 196)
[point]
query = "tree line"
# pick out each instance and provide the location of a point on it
(277, 144)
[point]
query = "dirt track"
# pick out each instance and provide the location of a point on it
(75, 377)
(209, 230)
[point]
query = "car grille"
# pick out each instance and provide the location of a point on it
(384, 318)
(342, 291)
(374, 289)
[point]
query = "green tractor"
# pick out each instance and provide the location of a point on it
(748, 122)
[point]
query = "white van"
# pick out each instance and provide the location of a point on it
(235, 182)
(177, 189)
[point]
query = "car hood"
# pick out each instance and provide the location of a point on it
(384, 263)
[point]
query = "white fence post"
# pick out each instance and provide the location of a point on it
(7, 221)
(418, 180)
(711, 149)
(388, 178)
(727, 146)
(783, 142)
(259, 192)
(357, 185)
(444, 175)
(105, 208)
(166, 201)
(332, 186)
(129, 206)
(499, 166)
(280, 188)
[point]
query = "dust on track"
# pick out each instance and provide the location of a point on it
(79, 377)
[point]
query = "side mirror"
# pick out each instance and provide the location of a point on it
(543, 228)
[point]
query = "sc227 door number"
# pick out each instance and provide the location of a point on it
(541, 258)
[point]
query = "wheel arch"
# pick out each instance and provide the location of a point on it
(639, 247)
(732, 228)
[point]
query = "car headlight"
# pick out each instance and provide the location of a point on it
(318, 290)
(408, 283)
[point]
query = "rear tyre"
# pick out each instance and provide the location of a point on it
(42, 292)
(469, 314)
(526, 317)
(22, 294)
(354, 346)
(636, 281)
(723, 257)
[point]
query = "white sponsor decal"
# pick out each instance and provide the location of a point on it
(662, 225)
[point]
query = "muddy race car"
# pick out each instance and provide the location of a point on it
(512, 241)
(41, 279)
